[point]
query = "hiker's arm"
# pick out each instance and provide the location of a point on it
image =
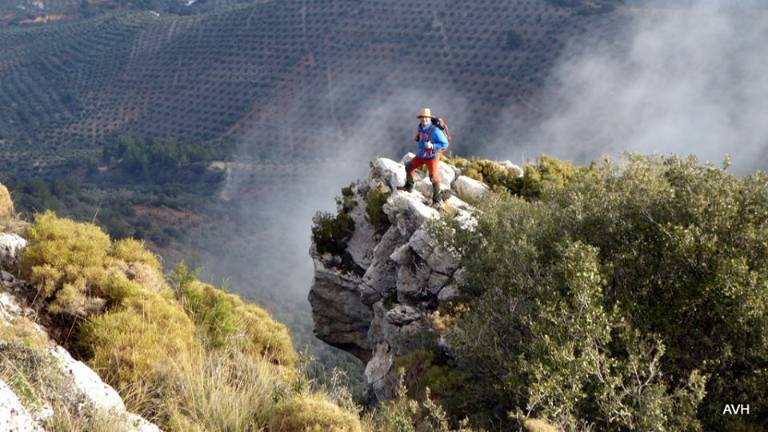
(439, 140)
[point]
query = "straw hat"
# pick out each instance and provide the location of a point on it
(425, 113)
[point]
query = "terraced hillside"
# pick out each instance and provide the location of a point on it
(292, 72)
(35, 12)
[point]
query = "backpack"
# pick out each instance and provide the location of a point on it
(440, 123)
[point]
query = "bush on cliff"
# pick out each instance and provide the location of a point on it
(546, 170)
(225, 321)
(374, 207)
(312, 413)
(618, 299)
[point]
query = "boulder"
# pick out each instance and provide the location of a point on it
(389, 172)
(424, 186)
(438, 258)
(403, 314)
(469, 189)
(448, 293)
(407, 211)
(436, 283)
(512, 167)
(11, 246)
(447, 176)
(87, 381)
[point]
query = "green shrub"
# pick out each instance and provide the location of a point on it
(224, 320)
(139, 342)
(424, 370)
(403, 414)
(618, 298)
(331, 233)
(545, 172)
(490, 172)
(66, 261)
(312, 413)
(374, 209)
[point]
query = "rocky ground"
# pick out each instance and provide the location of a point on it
(403, 275)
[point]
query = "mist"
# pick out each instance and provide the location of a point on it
(267, 259)
(685, 80)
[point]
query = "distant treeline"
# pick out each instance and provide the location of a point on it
(140, 156)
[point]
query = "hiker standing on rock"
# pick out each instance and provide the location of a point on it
(433, 139)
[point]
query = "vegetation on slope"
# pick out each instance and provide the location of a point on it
(630, 297)
(189, 357)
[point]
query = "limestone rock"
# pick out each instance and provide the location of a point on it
(340, 316)
(75, 382)
(403, 314)
(360, 245)
(412, 281)
(389, 172)
(13, 415)
(88, 382)
(407, 211)
(448, 293)
(381, 275)
(512, 167)
(438, 258)
(377, 370)
(6, 205)
(424, 186)
(11, 246)
(469, 189)
(447, 176)
(436, 283)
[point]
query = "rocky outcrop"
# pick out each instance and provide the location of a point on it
(406, 272)
(39, 378)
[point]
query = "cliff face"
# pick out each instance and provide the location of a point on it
(379, 307)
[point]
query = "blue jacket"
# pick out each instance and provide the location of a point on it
(437, 138)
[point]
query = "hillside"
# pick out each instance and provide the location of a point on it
(91, 332)
(239, 72)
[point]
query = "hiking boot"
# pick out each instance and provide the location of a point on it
(440, 197)
(437, 198)
(407, 188)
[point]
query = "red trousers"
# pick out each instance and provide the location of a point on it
(415, 163)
